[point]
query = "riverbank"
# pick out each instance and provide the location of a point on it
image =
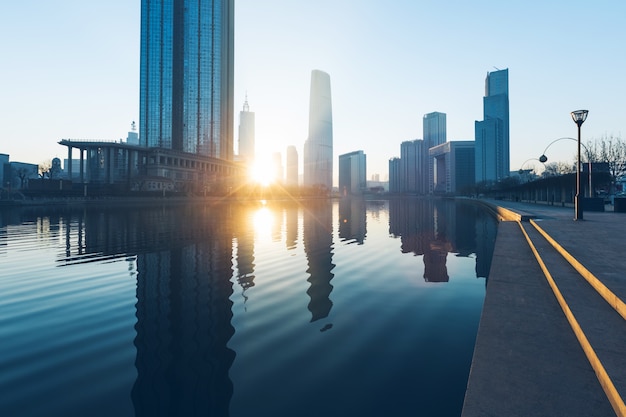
(528, 360)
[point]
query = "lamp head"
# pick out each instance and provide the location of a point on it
(543, 159)
(579, 116)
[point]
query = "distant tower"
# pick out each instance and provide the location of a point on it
(292, 167)
(492, 133)
(318, 148)
(246, 134)
(133, 136)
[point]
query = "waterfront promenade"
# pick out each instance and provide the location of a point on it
(534, 353)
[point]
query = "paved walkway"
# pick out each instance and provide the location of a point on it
(527, 360)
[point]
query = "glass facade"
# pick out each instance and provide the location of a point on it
(492, 134)
(186, 88)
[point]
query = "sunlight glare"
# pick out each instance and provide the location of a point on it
(262, 172)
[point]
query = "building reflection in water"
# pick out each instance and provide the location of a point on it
(432, 228)
(352, 223)
(184, 311)
(318, 245)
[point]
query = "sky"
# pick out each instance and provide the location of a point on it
(70, 70)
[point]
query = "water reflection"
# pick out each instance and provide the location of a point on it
(432, 228)
(318, 243)
(352, 225)
(188, 261)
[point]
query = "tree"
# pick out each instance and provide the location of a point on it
(22, 174)
(44, 169)
(612, 151)
(554, 169)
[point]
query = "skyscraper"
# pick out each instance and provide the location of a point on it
(186, 80)
(246, 133)
(434, 126)
(492, 133)
(352, 177)
(318, 148)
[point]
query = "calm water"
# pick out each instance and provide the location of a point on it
(346, 308)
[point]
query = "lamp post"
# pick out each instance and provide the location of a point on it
(543, 159)
(579, 117)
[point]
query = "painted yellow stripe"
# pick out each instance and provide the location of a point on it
(610, 297)
(603, 377)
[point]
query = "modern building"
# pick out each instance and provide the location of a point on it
(4, 160)
(453, 165)
(291, 174)
(492, 133)
(246, 134)
(435, 134)
(17, 174)
(186, 76)
(318, 148)
(394, 175)
(352, 169)
(411, 160)
(133, 135)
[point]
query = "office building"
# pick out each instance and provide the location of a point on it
(394, 175)
(453, 167)
(291, 174)
(318, 148)
(246, 134)
(186, 76)
(492, 133)
(352, 169)
(434, 129)
(411, 160)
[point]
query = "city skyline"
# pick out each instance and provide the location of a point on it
(83, 81)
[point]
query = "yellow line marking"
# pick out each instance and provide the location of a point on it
(603, 377)
(610, 297)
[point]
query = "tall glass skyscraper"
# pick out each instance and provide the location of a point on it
(492, 133)
(318, 148)
(186, 85)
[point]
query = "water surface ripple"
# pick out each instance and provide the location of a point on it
(322, 308)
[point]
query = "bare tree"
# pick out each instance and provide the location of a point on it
(22, 174)
(554, 169)
(611, 150)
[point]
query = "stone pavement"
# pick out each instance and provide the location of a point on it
(527, 360)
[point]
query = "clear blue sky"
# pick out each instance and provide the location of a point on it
(70, 69)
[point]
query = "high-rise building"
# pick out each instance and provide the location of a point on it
(411, 159)
(246, 134)
(291, 177)
(352, 169)
(434, 126)
(318, 148)
(453, 167)
(492, 133)
(186, 76)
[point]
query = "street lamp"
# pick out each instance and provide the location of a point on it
(579, 117)
(543, 159)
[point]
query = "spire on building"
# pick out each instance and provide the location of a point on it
(246, 107)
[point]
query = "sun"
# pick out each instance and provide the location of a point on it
(262, 172)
